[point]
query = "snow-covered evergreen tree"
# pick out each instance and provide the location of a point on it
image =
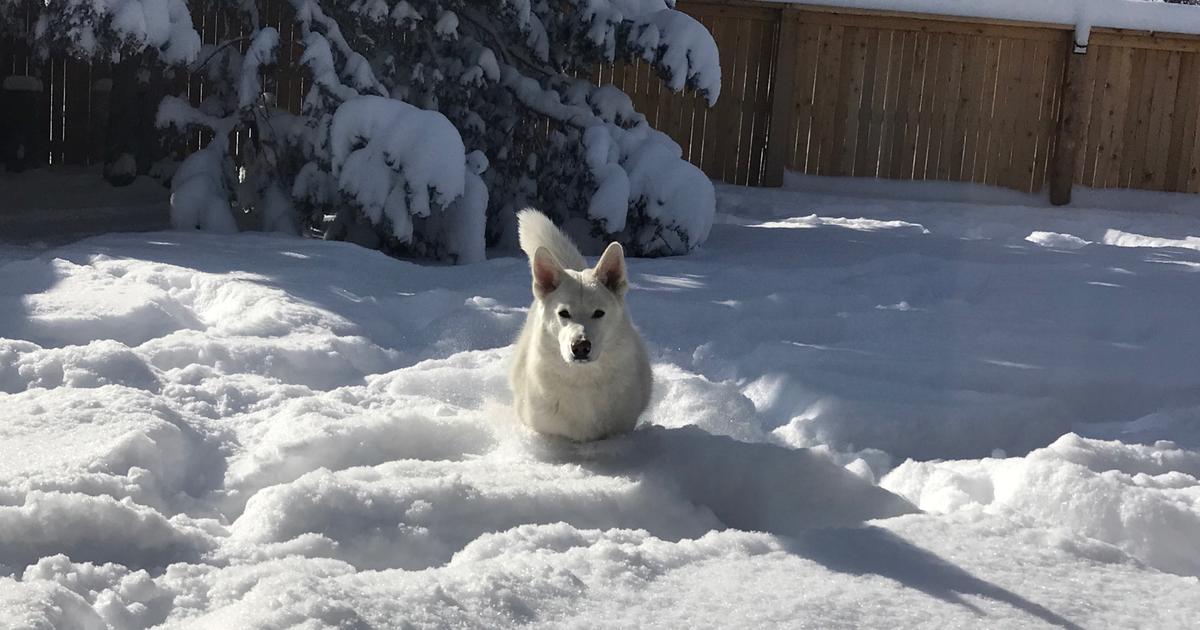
(428, 123)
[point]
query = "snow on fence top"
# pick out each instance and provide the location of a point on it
(1082, 14)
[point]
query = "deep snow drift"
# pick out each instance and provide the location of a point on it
(261, 431)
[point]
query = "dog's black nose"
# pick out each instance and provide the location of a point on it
(581, 349)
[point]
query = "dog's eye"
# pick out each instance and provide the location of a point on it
(598, 314)
(565, 314)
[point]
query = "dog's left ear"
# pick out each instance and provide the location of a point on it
(611, 269)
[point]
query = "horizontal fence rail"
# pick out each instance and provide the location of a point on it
(817, 91)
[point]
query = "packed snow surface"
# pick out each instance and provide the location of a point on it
(876, 406)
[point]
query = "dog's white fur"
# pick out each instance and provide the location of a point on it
(556, 391)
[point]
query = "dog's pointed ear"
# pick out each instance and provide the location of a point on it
(611, 268)
(547, 273)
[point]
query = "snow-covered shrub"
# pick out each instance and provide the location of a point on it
(110, 29)
(427, 123)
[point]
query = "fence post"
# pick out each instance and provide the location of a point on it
(23, 128)
(782, 130)
(124, 114)
(1062, 169)
(98, 121)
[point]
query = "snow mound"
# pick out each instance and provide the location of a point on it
(98, 528)
(1144, 500)
(294, 441)
(1121, 238)
(1056, 240)
(110, 440)
(43, 605)
(861, 224)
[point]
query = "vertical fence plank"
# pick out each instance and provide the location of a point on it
(986, 110)
(951, 145)
(939, 102)
(727, 118)
(1008, 106)
(784, 105)
(764, 101)
(1032, 71)
(804, 155)
(889, 109)
(925, 160)
(918, 120)
(1050, 109)
(862, 137)
(907, 96)
(1120, 73)
(1183, 133)
(827, 103)
(967, 114)
(854, 62)
(1043, 104)
(1135, 123)
(879, 134)
(77, 92)
(697, 138)
(1190, 169)
(731, 118)
(1163, 123)
(1095, 90)
(713, 117)
(754, 37)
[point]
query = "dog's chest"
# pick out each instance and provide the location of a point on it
(586, 406)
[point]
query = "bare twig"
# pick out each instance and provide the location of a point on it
(225, 44)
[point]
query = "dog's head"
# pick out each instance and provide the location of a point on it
(581, 309)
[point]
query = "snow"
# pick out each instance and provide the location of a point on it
(200, 192)
(876, 405)
(21, 83)
(58, 205)
(1054, 239)
(667, 202)
(1083, 15)
(407, 167)
(260, 52)
(163, 25)
(686, 50)
(1142, 500)
(404, 12)
(389, 156)
(447, 25)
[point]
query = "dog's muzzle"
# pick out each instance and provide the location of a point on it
(581, 350)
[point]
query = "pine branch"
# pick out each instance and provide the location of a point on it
(504, 51)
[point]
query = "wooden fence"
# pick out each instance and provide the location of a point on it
(854, 93)
(869, 94)
(71, 107)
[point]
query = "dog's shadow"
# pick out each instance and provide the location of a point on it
(818, 507)
(753, 487)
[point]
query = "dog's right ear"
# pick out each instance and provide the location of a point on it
(547, 273)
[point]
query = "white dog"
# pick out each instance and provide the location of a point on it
(581, 370)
